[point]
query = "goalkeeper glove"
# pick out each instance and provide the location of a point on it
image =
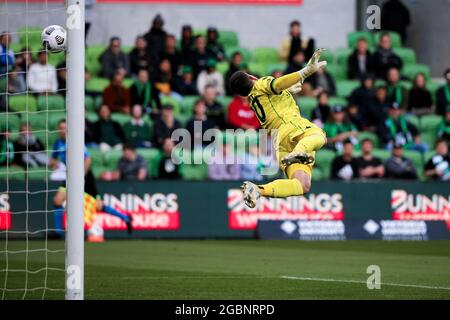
(296, 88)
(313, 64)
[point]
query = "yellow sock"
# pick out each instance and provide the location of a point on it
(310, 143)
(281, 188)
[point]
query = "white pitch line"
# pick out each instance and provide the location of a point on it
(364, 282)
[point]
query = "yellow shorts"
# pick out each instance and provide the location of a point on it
(287, 138)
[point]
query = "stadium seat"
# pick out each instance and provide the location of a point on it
(413, 119)
(16, 47)
(98, 100)
(317, 174)
(272, 67)
(194, 171)
(416, 158)
(121, 118)
(187, 104)
(411, 70)
(266, 55)
(30, 36)
(37, 120)
(428, 137)
(10, 121)
(48, 138)
(408, 55)
(183, 118)
(337, 71)
(258, 69)
(341, 55)
(152, 158)
(54, 118)
(96, 84)
(306, 105)
(246, 53)
(396, 40)
(224, 101)
(222, 67)
(21, 103)
(228, 38)
(36, 174)
(345, 87)
(429, 123)
(96, 156)
(128, 82)
(91, 116)
(337, 101)
(383, 154)
(324, 157)
(56, 58)
(353, 37)
(12, 173)
(171, 101)
(111, 159)
(328, 56)
(406, 84)
(433, 87)
(51, 102)
(368, 135)
(93, 53)
(89, 103)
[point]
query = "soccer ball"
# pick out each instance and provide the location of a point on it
(54, 38)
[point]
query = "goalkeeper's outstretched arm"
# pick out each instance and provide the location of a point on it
(289, 80)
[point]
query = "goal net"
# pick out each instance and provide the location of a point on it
(33, 99)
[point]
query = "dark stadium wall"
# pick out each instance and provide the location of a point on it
(328, 21)
(164, 209)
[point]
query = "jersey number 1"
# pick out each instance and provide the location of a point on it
(258, 109)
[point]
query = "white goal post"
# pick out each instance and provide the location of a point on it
(75, 150)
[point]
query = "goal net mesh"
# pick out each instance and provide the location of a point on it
(32, 247)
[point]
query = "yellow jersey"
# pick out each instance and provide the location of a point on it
(274, 109)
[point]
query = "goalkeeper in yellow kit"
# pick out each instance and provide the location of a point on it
(296, 139)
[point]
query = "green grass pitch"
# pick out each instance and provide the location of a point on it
(237, 269)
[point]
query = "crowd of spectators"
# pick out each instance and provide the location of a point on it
(161, 67)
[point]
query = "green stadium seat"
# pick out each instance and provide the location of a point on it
(246, 53)
(306, 105)
(224, 101)
(411, 70)
(228, 38)
(337, 71)
(429, 138)
(111, 159)
(353, 37)
(96, 156)
(380, 83)
(54, 118)
(324, 157)
(152, 158)
(47, 137)
(342, 55)
(171, 101)
(183, 118)
(127, 49)
(433, 87)
(194, 171)
(91, 116)
(416, 158)
(128, 82)
(94, 67)
(121, 118)
(413, 119)
(37, 120)
(187, 104)
(266, 55)
(97, 84)
(317, 174)
(56, 58)
(98, 100)
(272, 67)
(337, 101)
(429, 123)
(368, 135)
(36, 174)
(328, 56)
(345, 87)
(89, 103)
(406, 84)
(383, 154)
(93, 53)
(222, 67)
(51, 102)
(22, 103)
(258, 69)
(10, 121)
(12, 173)
(16, 47)
(408, 55)
(98, 170)
(396, 40)
(30, 36)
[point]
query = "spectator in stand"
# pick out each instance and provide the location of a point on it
(116, 95)
(355, 117)
(250, 166)
(165, 80)
(30, 151)
(6, 148)
(236, 64)
(16, 83)
(297, 62)
(186, 43)
(369, 166)
(168, 169)
(137, 131)
(90, 140)
(131, 166)
(320, 81)
(185, 85)
(108, 132)
(443, 129)
(378, 109)
(398, 166)
(214, 108)
(7, 58)
(395, 17)
(419, 101)
(360, 62)
(438, 167)
(144, 93)
(296, 42)
(363, 96)
(114, 59)
(41, 77)
(321, 113)
(339, 129)
(345, 167)
(210, 77)
(172, 54)
(202, 119)
(156, 38)
(385, 58)
(224, 165)
(138, 56)
(398, 130)
(240, 115)
(165, 125)
(212, 44)
(395, 91)
(199, 56)
(24, 59)
(443, 95)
